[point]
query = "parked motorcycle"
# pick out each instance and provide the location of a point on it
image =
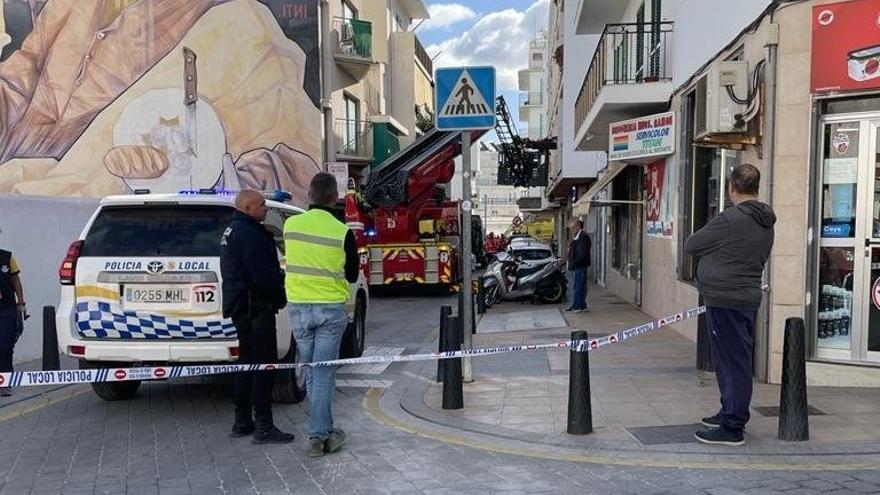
(509, 279)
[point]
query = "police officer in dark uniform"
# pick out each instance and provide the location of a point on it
(253, 291)
(12, 312)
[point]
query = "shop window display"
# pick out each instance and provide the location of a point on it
(835, 298)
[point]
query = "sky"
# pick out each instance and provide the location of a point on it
(484, 32)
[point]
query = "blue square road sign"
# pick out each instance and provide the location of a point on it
(464, 98)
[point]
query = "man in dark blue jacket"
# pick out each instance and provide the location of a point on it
(253, 291)
(732, 250)
(578, 264)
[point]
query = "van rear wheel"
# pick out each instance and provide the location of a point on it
(112, 391)
(290, 384)
(352, 345)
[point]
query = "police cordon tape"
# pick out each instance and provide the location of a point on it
(97, 375)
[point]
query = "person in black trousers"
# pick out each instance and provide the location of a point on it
(578, 264)
(253, 291)
(732, 250)
(12, 313)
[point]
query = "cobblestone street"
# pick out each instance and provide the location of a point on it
(173, 439)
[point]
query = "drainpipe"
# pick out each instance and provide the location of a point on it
(762, 362)
(327, 82)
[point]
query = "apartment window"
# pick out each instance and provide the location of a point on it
(348, 11)
(704, 185)
(655, 52)
(626, 219)
(640, 43)
(352, 120)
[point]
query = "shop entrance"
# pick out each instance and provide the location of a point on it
(847, 313)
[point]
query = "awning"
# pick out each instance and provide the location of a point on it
(582, 206)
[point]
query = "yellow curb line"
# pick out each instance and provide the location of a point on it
(371, 407)
(26, 408)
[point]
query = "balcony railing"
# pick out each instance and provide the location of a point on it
(372, 93)
(354, 138)
(355, 37)
(423, 58)
(531, 98)
(626, 54)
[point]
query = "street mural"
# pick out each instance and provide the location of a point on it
(101, 97)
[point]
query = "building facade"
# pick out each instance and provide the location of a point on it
(570, 171)
(497, 204)
(789, 93)
(533, 112)
(381, 80)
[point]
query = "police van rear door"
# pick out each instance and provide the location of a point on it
(152, 272)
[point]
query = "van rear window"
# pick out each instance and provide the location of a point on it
(532, 254)
(145, 230)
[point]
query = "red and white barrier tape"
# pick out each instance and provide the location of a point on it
(65, 377)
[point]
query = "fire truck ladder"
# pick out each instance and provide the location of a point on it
(511, 143)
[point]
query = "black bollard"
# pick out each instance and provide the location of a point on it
(51, 359)
(453, 394)
(445, 313)
(580, 409)
(794, 424)
(481, 301)
(474, 315)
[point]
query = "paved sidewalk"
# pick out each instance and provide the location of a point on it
(647, 397)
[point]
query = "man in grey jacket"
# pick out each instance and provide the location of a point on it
(732, 250)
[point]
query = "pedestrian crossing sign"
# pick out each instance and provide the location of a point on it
(465, 98)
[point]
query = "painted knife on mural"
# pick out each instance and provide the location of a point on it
(190, 97)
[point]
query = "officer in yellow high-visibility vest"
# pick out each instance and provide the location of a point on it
(321, 261)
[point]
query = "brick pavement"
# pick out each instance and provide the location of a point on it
(638, 384)
(172, 439)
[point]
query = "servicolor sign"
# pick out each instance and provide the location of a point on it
(643, 138)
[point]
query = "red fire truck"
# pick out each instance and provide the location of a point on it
(407, 231)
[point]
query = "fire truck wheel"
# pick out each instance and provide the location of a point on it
(353, 339)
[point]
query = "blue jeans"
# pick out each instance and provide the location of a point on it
(318, 330)
(579, 296)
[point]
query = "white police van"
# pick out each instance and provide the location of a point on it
(141, 286)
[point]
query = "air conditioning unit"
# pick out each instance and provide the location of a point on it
(715, 111)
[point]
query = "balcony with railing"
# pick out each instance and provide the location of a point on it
(630, 75)
(423, 57)
(354, 45)
(530, 101)
(354, 140)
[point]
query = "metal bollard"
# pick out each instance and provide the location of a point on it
(445, 313)
(453, 393)
(580, 409)
(793, 420)
(481, 301)
(51, 359)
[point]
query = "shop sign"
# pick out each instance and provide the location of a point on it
(658, 214)
(639, 139)
(837, 230)
(340, 171)
(875, 294)
(846, 46)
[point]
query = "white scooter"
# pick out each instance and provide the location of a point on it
(508, 279)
